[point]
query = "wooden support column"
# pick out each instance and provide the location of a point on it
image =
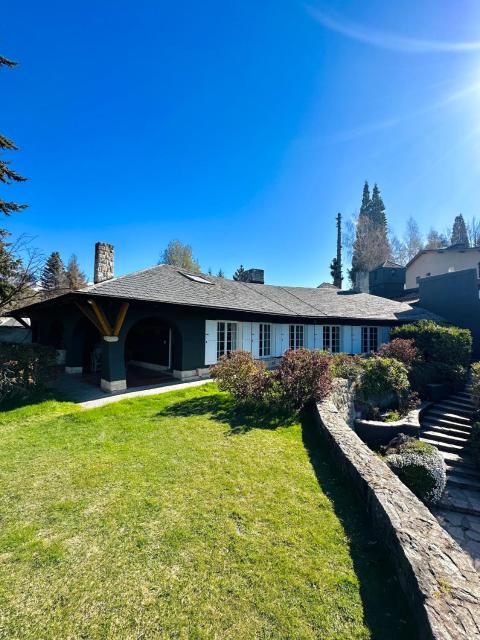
(88, 314)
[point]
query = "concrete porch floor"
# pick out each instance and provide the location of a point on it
(76, 389)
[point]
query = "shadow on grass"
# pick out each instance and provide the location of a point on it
(34, 398)
(240, 418)
(386, 610)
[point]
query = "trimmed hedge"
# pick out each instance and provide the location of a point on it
(437, 343)
(25, 368)
(245, 378)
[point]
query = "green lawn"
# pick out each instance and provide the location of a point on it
(178, 516)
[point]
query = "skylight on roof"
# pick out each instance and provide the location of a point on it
(195, 278)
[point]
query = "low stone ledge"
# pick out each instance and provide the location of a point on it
(375, 432)
(437, 577)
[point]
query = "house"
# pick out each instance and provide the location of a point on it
(434, 262)
(167, 320)
(387, 280)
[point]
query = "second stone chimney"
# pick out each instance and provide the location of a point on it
(103, 269)
(256, 276)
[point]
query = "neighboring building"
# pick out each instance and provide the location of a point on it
(455, 297)
(11, 330)
(434, 262)
(387, 280)
(167, 319)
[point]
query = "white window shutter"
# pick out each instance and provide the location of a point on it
(310, 342)
(356, 339)
(255, 339)
(210, 342)
(277, 350)
(247, 336)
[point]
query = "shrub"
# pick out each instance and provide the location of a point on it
(475, 442)
(25, 368)
(437, 343)
(476, 383)
(401, 349)
(383, 379)
(346, 366)
(245, 378)
(304, 376)
(424, 373)
(420, 467)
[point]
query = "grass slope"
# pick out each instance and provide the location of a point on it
(178, 516)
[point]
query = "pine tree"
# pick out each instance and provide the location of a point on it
(220, 274)
(53, 275)
(240, 274)
(76, 278)
(365, 206)
(435, 240)
(376, 210)
(8, 175)
(459, 232)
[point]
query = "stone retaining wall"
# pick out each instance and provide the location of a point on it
(437, 577)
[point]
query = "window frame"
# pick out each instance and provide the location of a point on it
(296, 337)
(227, 333)
(264, 340)
(331, 338)
(366, 341)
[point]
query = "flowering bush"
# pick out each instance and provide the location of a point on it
(383, 379)
(245, 378)
(346, 366)
(25, 368)
(401, 349)
(304, 376)
(419, 466)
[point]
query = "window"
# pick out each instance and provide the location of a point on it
(451, 269)
(264, 344)
(369, 339)
(226, 338)
(195, 278)
(296, 336)
(331, 339)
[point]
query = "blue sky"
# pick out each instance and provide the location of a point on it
(238, 127)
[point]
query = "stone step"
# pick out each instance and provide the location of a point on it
(444, 422)
(444, 437)
(462, 461)
(449, 414)
(429, 423)
(466, 399)
(460, 433)
(451, 407)
(443, 446)
(458, 480)
(460, 500)
(464, 472)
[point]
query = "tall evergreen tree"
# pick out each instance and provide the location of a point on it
(53, 275)
(76, 278)
(365, 206)
(240, 274)
(220, 274)
(459, 232)
(7, 174)
(376, 209)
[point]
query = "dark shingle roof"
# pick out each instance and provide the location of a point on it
(168, 284)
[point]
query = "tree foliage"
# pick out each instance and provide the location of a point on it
(7, 174)
(180, 255)
(459, 231)
(20, 266)
(436, 240)
(54, 276)
(75, 277)
(240, 274)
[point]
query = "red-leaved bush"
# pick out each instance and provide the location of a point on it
(401, 349)
(245, 378)
(304, 375)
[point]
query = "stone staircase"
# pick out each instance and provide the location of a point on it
(447, 426)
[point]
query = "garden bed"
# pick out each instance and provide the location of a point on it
(376, 433)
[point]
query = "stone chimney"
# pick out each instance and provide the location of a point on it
(256, 276)
(103, 269)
